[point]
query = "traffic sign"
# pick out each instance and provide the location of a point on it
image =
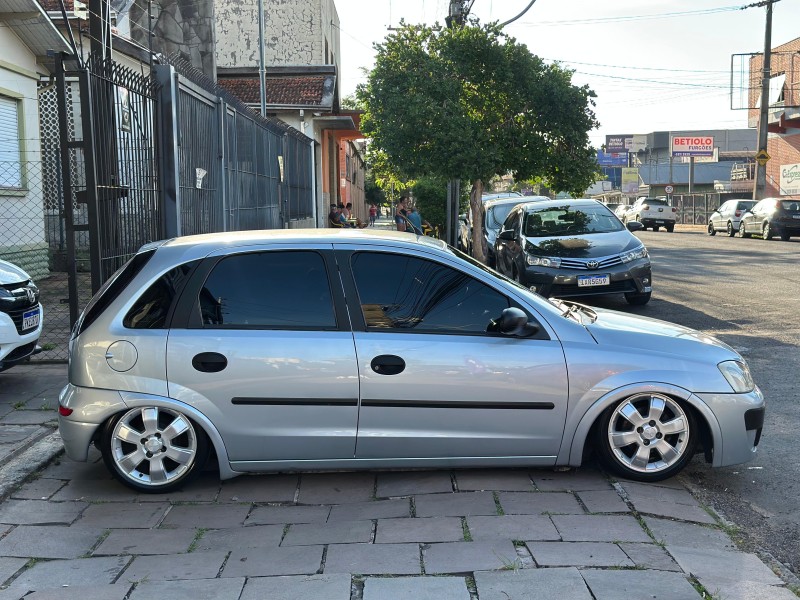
(762, 157)
(669, 189)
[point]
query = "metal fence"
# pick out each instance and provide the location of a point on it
(695, 209)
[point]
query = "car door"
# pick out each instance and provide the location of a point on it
(266, 352)
(506, 251)
(720, 217)
(434, 383)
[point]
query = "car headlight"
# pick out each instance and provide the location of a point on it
(635, 254)
(738, 375)
(543, 261)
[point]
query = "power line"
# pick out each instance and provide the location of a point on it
(626, 18)
(664, 69)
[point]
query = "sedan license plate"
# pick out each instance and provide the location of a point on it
(30, 319)
(593, 280)
(796, 216)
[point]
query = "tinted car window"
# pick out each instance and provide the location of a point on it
(153, 307)
(566, 220)
(285, 290)
(745, 205)
(498, 214)
(418, 295)
(790, 205)
(655, 202)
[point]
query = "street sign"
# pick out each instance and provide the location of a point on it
(762, 157)
(669, 189)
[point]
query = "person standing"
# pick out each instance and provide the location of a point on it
(373, 214)
(417, 221)
(400, 215)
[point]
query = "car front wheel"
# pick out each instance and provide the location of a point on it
(711, 230)
(153, 449)
(766, 231)
(646, 437)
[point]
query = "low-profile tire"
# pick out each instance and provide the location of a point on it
(637, 299)
(646, 437)
(711, 230)
(153, 449)
(741, 232)
(670, 228)
(766, 231)
(730, 230)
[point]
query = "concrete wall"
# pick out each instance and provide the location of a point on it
(295, 32)
(22, 235)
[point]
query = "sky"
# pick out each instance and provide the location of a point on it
(655, 65)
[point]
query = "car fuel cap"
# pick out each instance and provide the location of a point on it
(121, 356)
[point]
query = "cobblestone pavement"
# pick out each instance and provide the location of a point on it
(70, 531)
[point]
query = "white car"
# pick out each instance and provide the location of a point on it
(728, 216)
(652, 212)
(20, 316)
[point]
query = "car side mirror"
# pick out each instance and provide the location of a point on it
(634, 226)
(514, 322)
(506, 234)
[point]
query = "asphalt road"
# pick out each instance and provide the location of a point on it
(745, 292)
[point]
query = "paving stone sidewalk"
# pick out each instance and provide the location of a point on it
(71, 531)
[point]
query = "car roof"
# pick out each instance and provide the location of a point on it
(559, 203)
(514, 200)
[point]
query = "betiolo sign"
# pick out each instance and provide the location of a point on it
(693, 145)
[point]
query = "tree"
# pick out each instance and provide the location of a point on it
(430, 196)
(471, 103)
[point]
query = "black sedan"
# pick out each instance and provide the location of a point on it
(772, 217)
(573, 248)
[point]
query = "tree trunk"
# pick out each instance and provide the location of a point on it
(475, 203)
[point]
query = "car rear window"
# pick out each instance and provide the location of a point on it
(656, 202)
(791, 205)
(112, 288)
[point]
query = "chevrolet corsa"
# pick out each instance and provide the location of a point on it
(319, 349)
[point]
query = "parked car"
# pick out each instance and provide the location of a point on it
(621, 210)
(498, 195)
(573, 248)
(727, 217)
(20, 316)
(652, 212)
(772, 217)
(494, 213)
(282, 350)
(464, 241)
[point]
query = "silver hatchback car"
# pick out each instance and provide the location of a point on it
(321, 349)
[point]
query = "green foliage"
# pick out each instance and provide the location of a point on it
(430, 197)
(373, 194)
(471, 103)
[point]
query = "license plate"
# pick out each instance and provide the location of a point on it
(30, 319)
(658, 222)
(593, 280)
(796, 216)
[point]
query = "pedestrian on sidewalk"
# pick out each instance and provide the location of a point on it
(400, 219)
(417, 222)
(373, 214)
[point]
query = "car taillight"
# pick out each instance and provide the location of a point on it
(674, 209)
(645, 207)
(738, 213)
(64, 411)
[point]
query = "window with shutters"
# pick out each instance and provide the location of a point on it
(10, 163)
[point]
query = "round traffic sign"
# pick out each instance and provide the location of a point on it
(669, 189)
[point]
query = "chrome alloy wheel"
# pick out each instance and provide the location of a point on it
(648, 433)
(153, 446)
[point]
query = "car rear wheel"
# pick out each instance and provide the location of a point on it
(766, 231)
(656, 227)
(785, 237)
(637, 299)
(646, 437)
(730, 230)
(670, 228)
(153, 449)
(711, 230)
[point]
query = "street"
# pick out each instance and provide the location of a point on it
(744, 292)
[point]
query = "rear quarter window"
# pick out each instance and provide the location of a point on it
(154, 307)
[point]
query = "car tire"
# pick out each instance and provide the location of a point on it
(785, 237)
(129, 440)
(742, 233)
(656, 227)
(766, 231)
(730, 230)
(711, 230)
(646, 437)
(670, 228)
(637, 299)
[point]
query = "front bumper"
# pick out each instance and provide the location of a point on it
(16, 346)
(740, 418)
(634, 277)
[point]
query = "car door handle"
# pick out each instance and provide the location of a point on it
(388, 364)
(209, 362)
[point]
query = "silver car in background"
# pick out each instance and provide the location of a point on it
(353, 349)
(495, 211)
(728, 216)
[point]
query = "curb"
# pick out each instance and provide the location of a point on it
(23, 465)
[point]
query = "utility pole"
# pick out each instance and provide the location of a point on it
(262, 69)
(760, 187)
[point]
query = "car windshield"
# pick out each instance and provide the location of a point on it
(497, 215)
(569, 220)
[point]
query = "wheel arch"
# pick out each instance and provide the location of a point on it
(135, 400)
(710, 432)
